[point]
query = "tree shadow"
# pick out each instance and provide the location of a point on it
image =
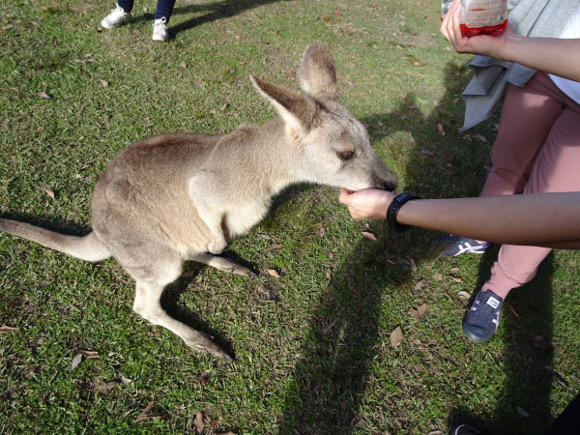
(329, 380)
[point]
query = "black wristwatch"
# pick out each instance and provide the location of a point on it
(394, 208)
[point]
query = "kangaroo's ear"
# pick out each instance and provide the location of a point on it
(297, 111)
(317, 73)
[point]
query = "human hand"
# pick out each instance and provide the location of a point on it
(490, 45)
(366, 204)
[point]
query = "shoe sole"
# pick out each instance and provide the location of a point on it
(106, 26)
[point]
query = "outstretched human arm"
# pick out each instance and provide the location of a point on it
(543, 219)
(555, 56)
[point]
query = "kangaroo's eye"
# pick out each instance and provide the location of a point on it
(345, 155)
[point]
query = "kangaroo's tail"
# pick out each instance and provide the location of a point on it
(88, 248)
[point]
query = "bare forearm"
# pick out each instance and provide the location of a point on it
(555, 56)
(551, 219)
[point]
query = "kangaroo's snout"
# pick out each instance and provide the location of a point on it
(390, 184)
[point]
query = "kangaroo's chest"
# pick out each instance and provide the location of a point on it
(243, 217)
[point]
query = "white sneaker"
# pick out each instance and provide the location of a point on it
(160, 30)
(117, 17)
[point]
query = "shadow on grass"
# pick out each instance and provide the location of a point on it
(214, 11)
(526, 330)
(329, 381)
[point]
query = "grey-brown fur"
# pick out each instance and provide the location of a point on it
(177, 197)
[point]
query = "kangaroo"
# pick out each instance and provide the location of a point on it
(180, 197)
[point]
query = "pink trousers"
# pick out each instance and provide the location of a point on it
(537, 150)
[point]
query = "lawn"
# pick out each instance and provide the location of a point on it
(312, 343)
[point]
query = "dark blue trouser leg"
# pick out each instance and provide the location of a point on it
(127, 5)
(164, 9)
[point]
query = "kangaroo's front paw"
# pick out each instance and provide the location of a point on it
(216, 247)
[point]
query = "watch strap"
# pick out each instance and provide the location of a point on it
(394, 208)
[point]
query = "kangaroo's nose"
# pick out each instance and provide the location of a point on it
(390, 184)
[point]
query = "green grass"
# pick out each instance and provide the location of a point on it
(313, 355)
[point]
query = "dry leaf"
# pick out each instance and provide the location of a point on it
(418, 63)
(481, 137)
(125, 380)
(396, 336)
(454, 279)
(448, 297)
(224, 107)
(437, 277)
(418, 313)
(107, 387)
(147, 414)
(198, 422)
(238, 37)
(273, 273)
(369, 236)
(44, 95)
(319, 230)
(144, 414)
(328, 274)
(226, 433)
(522, 412)
(275, 247)
(415, 315)
(6, 329)
(441, 129)
(454, 271)
(104, 83)
(291, 74)
(90, 354)
(76, 361)
(49, 192)
(463, 295)
(421, 285)
(514, 311)
(183, 64)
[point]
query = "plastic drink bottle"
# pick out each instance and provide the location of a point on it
(478, 17)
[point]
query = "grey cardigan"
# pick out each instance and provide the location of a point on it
(539, 18)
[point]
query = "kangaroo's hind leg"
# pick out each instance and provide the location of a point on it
(222, 263)
(151, 281)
